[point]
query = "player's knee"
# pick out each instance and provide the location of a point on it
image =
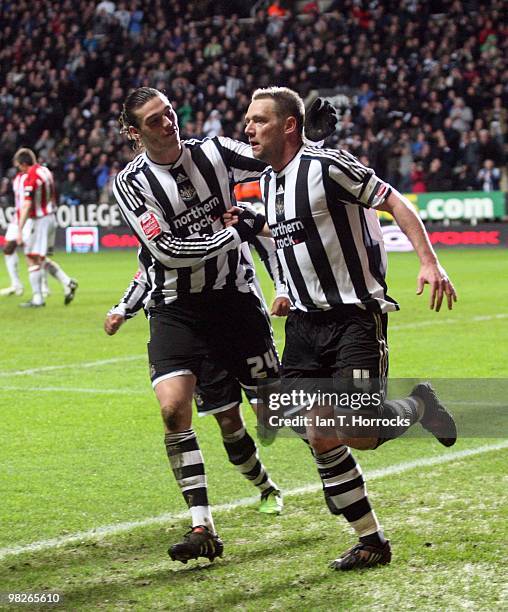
(362, 443)
(322, 444)
(175, 416)
(230, 420)
(9, 248)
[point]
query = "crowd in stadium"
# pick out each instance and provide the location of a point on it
(428, 89)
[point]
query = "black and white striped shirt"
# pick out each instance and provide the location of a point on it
(176, 212)
(320, 209)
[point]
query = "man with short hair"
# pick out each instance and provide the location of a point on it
(38, 211)
(320, 208)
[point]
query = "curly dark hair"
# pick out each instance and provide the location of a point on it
(128, 117)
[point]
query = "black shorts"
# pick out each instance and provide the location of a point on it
(344, 342)
(228, 328)
(342, 352)
(216, 390)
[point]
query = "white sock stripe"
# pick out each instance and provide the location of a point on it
(269, 484)
(188, 458)
(259, 479)
(202, 515)
(367, 525)
(193, 482)
(248, 465)
(350, 497)
(180, 436)
(235, 436)
(344, 477)
(333, 462)
(331, 454)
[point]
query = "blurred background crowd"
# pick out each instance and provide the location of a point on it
(422, 85)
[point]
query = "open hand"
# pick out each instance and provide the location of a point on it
(440, 285)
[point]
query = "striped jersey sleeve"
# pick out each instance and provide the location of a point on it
(239, 159)
(146, 218)
(355, 178)
(133, 297)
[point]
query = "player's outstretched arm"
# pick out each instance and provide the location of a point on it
(431, 272)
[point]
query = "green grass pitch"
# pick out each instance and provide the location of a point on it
(81, 449)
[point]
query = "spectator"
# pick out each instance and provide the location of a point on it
(461, 116)
(213, 48)
(276, 10)
(438, 177)
(6, 198)
(106, 6)
(488, 148)
(8, 145)
(44, 145)
(310, 8)
(86, 177)
(417, 178)
(106, 195)
(122, 15)
(72, 192)
(405, 165)
(463, 178)
(213, 126)
(97, 134)
(101, 172)
(489, 177)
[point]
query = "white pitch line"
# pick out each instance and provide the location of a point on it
(109, 530)
(74, 390)
(86, 364)
(476, 319)
(478, 402)
(93, 364)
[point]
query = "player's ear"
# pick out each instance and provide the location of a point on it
(134, 133)
(290, 125)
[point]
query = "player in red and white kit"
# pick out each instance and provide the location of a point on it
(11, 236)
(38, 212)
